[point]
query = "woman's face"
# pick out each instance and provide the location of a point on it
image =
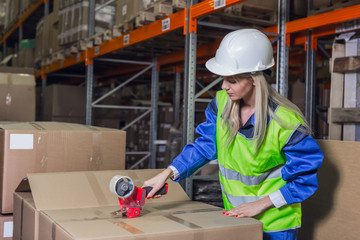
(239, 87)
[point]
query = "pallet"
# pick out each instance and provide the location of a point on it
(253, 14)
(160, 9)
(334, 5)
(57, 56)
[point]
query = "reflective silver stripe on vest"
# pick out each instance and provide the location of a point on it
(236, 201)
(250, 180)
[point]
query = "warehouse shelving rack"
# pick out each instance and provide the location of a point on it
(304, 31)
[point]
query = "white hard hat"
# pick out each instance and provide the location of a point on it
(242, 51)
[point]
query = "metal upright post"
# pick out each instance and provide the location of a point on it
(43, 76)
(42, 105)
(310, 79)
(154, 113)
(189, 85)
(177, 94)
(283, 50)
(21, 33)
(310, 74)
(46, 8)
(4, 49)
(90, 66)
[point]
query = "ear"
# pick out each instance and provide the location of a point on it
(252, 82)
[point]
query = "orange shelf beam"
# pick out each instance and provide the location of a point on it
(324, 19)
(138, 35)
(28, 12)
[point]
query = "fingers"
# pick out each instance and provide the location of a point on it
(237, 214)
(152, 192)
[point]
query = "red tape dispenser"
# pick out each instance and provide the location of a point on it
(131, 197)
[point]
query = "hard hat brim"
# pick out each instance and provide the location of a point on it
(218, 69)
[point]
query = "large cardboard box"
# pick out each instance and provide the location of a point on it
(17, 91)
(64, 101)
(85, 212)
(54, 147)
(333, 211)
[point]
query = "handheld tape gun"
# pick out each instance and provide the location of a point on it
(131, 197)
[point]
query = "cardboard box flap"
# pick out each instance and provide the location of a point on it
(53, 126)
(66, 190)
(17, 79)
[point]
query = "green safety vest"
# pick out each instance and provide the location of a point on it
(246, 177)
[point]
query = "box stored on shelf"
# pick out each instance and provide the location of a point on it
(74, 20)
(127, 10)
(64, 102)
(17, 94)
(52, 147)
(85, 212)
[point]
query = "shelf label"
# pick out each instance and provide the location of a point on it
(97, 50)
(219, 4)
(126, 39)
(165, 24)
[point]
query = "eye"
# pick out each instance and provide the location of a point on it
(230, 80)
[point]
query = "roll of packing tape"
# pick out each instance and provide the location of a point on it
(121, 186)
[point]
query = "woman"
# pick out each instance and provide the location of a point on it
(267, 158)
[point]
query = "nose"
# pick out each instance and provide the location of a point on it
(225, 85)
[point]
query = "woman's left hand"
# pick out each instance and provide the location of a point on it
(250, 209)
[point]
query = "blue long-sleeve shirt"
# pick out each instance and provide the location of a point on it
(302, 152)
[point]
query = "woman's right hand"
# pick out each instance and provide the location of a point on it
(157, 182)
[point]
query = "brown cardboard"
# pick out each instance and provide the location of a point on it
(17, 94)
(4, 69)
(53, 147)
(126, 10)
(25, 212)
(64, 101)
(73, 20)
(333, 211)
(173, 216)
(26, 57)
(6, 227)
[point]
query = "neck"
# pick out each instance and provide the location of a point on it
(249, 99)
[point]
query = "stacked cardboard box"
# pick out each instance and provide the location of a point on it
(26, 53)
(165, 121)
(2, 14)
(85, 212)
(74, 20)
(127, 10)
(53, 147)
(12, 11)
(17, 91)
(64, 103)
(47, 42)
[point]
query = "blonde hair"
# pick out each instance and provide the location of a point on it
(263, 93)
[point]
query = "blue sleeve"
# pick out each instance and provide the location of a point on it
(197, 154)
(304, 157)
